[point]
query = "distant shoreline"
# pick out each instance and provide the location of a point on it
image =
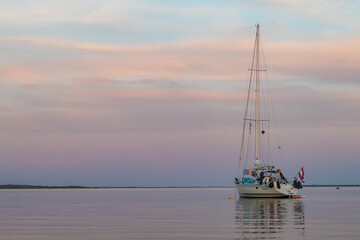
(16, 186)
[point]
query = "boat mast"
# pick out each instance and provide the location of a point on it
(257, 94)
(247, 106)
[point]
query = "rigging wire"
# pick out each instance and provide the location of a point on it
(271, 103)
(244, 157)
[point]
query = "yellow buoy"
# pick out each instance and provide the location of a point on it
(229, 197)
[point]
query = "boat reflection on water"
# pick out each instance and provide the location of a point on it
(266, 218)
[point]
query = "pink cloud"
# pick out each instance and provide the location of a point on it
(199, 59)
(19, 74)
(160, 93)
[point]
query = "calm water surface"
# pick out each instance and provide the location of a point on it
(201, 213)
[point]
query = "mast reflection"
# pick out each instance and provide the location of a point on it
(270, 218)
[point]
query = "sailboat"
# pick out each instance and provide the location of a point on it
(262, 179)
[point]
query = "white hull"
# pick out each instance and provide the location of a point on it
(261, 191)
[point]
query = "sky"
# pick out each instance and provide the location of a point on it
(151, 92)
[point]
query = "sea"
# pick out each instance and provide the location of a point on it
(177, 213)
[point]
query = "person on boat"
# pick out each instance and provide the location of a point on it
(296, 183)
(266, 180)
(271, 182)
(261, 178)
(282, 177)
